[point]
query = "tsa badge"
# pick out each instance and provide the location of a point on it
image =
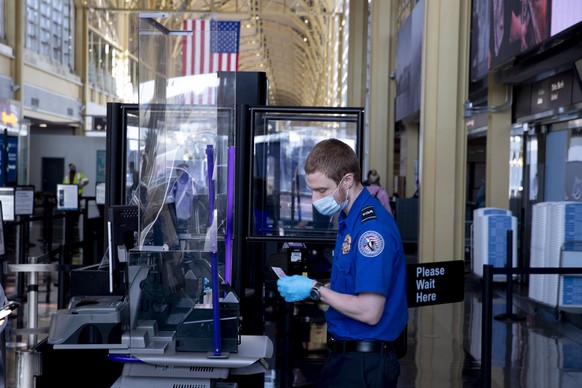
(347, 244)
(371, 243)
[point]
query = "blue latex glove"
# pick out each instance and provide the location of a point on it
(295, 288)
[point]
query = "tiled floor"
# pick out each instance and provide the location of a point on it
(444, 341)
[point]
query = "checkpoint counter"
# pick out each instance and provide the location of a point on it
(163, 331)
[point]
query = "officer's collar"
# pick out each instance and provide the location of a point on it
(355, 211)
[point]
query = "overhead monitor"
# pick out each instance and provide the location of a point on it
(7, 198)
(24, 200)
(67, 197)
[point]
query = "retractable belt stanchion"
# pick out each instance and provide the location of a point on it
(28, 362)
(487, 307)
(33, 267)
(65, 259)
(487, 326)
(509, 316)
(22, 251)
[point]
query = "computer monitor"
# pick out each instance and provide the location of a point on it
(24, 200)
(7, 199)
(122, 228)
(67, 197)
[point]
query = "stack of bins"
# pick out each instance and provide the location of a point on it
(555, 227)
(490, 226)
(539, 231)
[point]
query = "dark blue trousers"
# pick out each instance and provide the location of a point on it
(365, 370)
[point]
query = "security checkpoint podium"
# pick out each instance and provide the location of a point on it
(165, 324)
(176, 321)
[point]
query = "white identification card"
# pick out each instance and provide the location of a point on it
(279, 272)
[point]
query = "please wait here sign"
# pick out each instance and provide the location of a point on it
(435, 283)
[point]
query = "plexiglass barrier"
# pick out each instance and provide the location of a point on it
(186, 134)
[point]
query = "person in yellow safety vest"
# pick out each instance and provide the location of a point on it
(75, 177)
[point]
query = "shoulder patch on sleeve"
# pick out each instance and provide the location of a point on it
(368, 213)
(370, 243)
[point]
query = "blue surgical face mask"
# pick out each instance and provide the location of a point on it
(328, 206)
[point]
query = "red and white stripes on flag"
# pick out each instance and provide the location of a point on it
(212, 46)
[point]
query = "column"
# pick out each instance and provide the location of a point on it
(382, 90)
(497, 159)
(409, 156)
(442, 134)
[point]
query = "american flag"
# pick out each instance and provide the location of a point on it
(213, 46)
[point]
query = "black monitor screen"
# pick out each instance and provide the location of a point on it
(122, 226)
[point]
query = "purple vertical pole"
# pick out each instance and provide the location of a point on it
(210, 158)
(213, 244)
(229, 216)
(215, 305)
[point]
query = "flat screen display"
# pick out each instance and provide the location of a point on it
(24, 200)
(67, 197)
(122, 227)
(565, 14)
(7, 199)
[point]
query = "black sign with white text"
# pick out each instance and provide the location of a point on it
(435, 283)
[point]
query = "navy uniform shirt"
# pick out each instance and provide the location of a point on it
(369, 257)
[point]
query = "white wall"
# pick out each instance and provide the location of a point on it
(80, 150)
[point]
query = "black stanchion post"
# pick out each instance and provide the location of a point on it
(65, 261)
(87, 238)
(22, 253)
(49, 237)
(46, 212)
(61, 297)
(509, 316)
(509, 277)
(48, 221)
(48, 288)
(487, 325)
(24, 244)
(25, 230)
(71, 218)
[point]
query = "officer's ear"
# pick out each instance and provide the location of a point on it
(349, 180)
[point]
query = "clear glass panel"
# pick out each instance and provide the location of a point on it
(184, 137)
(281, 200)
(174, 293)
(186, 127)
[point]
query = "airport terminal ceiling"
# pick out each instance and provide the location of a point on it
(298, 43)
